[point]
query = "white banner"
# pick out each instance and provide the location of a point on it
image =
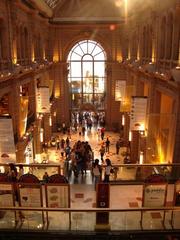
(42, 100)
(120, 90)
(154, 195)
(7, 146)
(138, 113)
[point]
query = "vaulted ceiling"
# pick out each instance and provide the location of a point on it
(86, 10)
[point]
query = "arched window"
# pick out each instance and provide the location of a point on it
(87, 74)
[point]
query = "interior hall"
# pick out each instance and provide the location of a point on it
(90, 119)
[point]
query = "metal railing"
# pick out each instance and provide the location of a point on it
(70, 219)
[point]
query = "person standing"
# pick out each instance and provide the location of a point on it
(97, 171)
(102, 132)
(102, 152)
(107, 170)
(118, 144)
(107, 144)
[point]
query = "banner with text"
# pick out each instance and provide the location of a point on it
(7, 146)
(120, 90)
(42, 100)
(138, 113)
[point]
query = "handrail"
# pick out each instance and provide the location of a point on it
(15, 208)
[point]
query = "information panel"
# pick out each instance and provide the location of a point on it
(6, 195)
(30, 196)
(7, 147)
(57, 196)
(138, 113)
(42, 100)
(154, 195)
(120, 90)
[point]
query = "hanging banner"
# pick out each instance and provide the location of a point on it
(42, 100)
(138, 113)
(120, 90)
(57, 196)
(51, 87)
(7, 146)
(154, 195)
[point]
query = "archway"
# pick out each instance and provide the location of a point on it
(86, 77)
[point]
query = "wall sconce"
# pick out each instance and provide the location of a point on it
(141, 158)
(130, 136)
(41, 135)
(50, 121)
(123, 120)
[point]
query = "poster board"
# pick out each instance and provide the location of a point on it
(42, 100)
(138, 113)
(30, 195)
(57, 195)
(7, 199)
(154, 195)
(7, 146)
(6, 195)
(120, 90)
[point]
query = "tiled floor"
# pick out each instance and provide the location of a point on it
(83, 196)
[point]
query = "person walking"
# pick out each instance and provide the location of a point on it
(118, 144)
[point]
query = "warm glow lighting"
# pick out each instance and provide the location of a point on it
(14, 52)
(123, 120)
(112, 27)
(141, 158)
(153, 52)
(138, 52)
(32, 53)
(119, 57)
(130, 136)
(41, 135)
(57, 93)
(50, 121)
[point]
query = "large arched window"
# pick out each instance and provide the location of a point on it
(87, 74)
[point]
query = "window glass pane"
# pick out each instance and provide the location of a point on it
(87, 77)
(75, 69)
(76, 86)
(76, 56)
(91, 47)
(87, 98)
(98, 84)
(99, 101)
(99, 56)
(99, 69)
(83, 47)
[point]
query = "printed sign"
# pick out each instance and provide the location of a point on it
(138, 113)
(42, 100)
(7, 147)
(30, 197)
(120, 90)
(154, 195)
(6, 195)
(57, 196)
